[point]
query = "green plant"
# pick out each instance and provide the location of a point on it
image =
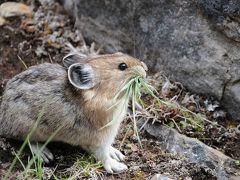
(134, 89)
(88, 163)
(18, 154)
(37, 170)
(237, 162)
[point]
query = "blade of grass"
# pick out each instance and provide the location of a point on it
(24, 144)
(30, 147)
(43, 146)
(134, 118)
(18, 158)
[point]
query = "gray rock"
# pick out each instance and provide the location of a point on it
(225, 16)
(193, 42)
(220, 165)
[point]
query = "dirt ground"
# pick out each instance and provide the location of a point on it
(26, 41)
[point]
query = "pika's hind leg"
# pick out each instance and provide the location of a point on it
(109, 156)
(45, 154)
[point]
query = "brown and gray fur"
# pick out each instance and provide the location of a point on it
(80, 111)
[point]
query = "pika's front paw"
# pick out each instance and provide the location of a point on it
(113, 166)
(110, 158)
(116, 154)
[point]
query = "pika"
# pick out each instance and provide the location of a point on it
(78, 97)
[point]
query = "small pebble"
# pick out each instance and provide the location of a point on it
(160, 177)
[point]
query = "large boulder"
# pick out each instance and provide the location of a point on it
(194, 42)
(213, 161)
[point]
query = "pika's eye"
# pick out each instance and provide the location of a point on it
(122, 66)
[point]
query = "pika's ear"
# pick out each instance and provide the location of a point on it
(81, 76)
(73, 58)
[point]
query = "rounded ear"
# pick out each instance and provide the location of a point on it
(73, 58)
(81, 76)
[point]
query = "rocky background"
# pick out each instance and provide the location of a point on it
(195, 42)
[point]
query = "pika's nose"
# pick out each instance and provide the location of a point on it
(141, 71)
(144, 66)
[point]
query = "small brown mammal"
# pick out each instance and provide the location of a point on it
(78, 98)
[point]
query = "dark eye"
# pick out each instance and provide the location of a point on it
(122, 66)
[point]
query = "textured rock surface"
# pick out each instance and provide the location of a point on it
(193, 42)
(220, 165)
(225, 15)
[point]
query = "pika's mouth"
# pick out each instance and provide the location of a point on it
(134, 85)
